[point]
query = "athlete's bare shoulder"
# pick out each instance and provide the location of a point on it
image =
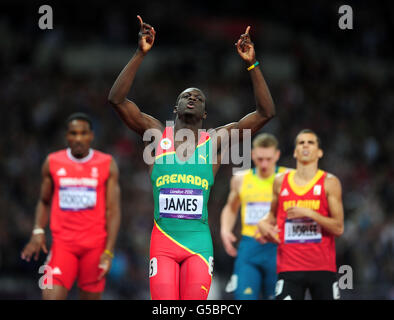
(332, 182)
(237, 179)
(280, 176)
(279, 180)
(45, 166)
(331, 177)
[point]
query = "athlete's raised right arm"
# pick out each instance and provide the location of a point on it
(268, 230)
(128, 110)
(38, 241)
(229, 215)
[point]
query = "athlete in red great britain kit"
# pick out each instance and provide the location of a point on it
(80, 189)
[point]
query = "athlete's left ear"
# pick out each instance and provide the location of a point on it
(91, 136)
(205, 115)
(277, 155)
(175, 111)
(320, 153)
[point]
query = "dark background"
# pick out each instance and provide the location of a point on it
(336, 82)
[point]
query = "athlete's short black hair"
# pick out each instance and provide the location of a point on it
(79, 116)
(179, 96)
(319, 144)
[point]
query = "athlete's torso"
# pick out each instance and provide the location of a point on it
(181, 189)
(79, 197)
(256, 196)
(304, 245)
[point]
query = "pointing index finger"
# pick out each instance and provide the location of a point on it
(247, 30)
(139, 18)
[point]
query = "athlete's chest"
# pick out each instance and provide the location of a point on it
(68, 174)
(314, 198)
(254, 189)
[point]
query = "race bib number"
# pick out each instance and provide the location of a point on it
(181, 203)
(256, 211)
(302, 231)
(77, 198)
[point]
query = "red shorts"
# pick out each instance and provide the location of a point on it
(69, 262)
(176, 273)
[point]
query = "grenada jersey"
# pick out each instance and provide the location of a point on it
(256, 196)
(304, 245)
(181, 192)
(78, 213)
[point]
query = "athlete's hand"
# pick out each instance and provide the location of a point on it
(228, 238)
(267, 232)
(104, 265)
(245, 48)
(146, 36)
(36, 243)
(297, 212)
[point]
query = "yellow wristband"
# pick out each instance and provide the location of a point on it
(109, 253)
(253, 65)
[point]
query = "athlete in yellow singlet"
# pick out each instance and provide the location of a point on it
(255, 264)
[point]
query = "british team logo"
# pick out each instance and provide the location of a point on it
(94, 172)
(61, 172)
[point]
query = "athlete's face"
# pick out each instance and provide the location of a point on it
(265, 159)
(307, 148)
(191, 102)
(79, 138)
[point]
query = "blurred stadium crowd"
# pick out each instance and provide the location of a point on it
(338, 83)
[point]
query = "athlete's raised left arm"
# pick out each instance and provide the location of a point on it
(265, 108)
(333, 223)
(113, 215)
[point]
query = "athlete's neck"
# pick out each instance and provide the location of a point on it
(80, 158)
(305, 172)
(179, 125)
(266, 174)
(188, 122)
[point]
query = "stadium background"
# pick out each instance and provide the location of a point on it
(337, 82)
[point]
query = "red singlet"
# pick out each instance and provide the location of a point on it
(305, 245)
(79, 203)
(78, 219)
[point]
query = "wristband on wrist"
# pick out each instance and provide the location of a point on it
(106, 251)
(253, 65)
(38, 231)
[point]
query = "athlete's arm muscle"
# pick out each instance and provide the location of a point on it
(229, 214)
(113, 215)
(333, 223)
(38, 242)
(128, 110)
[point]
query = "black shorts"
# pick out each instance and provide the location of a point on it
(322, 285)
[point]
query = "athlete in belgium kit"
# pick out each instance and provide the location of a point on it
(80, 185)
(181, 254)
(305, 217)
(254, 273)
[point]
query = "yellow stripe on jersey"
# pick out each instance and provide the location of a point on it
(204, 142)
(180, 245)
(301, 190)
(256, 197)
